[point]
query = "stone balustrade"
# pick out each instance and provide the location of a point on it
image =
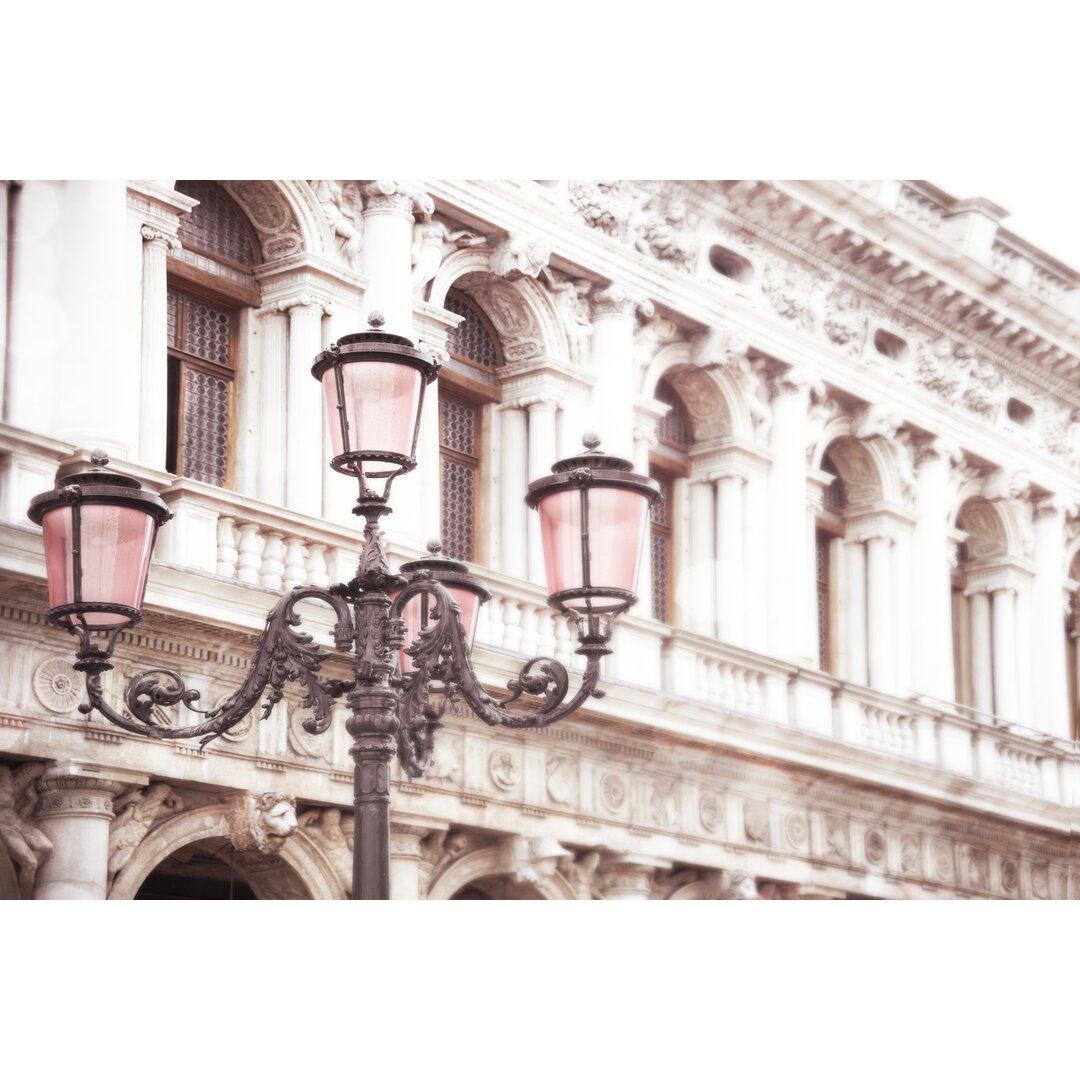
(230, 538)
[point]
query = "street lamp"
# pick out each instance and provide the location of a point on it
(99, 529)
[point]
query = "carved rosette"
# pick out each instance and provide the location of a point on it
(711, 811)
(57, 685)
(613, 792)
(756, 821)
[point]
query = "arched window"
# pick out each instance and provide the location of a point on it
(465, 386)
(208, 286)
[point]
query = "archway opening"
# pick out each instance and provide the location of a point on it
(497, 887)
(212, 869)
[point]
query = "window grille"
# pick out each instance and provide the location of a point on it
(459, 439)
(216, 227)
(201, 341)
(824, 649)
(471, 340)
(660, 550)
(674, 428)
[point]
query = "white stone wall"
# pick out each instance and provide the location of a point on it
(939, 371)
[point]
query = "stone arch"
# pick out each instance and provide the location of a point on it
(988, 530)
(285, 214)
(869, 468)
(487, 862)
(300, 853)
(521, 311)
(719, 407)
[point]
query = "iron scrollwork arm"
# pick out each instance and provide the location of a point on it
(282, 655)
(440, 655)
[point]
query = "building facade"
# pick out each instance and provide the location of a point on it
(852, 670)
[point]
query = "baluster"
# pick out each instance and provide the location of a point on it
(714, 689)
(727, 686)
(249, 554)
(742, 694)
(273, 561)
(530, 624)
(227, 555)
(495, 622)
(511, 618)
(545, 635)
(317, 573)
(563, 639)
(295, 564)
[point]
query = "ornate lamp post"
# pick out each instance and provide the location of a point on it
(99, 530)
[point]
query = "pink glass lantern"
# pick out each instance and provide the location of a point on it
(374, 388)
(594, 513)
(99, 529)
(459, 583)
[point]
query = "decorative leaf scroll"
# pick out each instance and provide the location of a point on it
(441, 662)
(283, 655)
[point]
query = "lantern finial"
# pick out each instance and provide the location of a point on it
(591, 440)
(434, 546)
(376, 320)
(99, 458)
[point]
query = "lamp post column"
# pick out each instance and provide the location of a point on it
(74, 811)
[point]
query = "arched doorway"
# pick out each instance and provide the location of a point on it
(211, 869)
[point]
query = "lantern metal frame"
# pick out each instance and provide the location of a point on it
(95, 486)
(584, 473)
(373, 346)
(390, 711)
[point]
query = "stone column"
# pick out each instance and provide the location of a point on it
(1003, 617)
(541, 456)
(74, 811)
(982, 665)
(614, 313)
(1047, 645)
(37, 320)
(729, 562)
(789, 564)
(879, 614)
(700, 579)
(756, 556)
(100, 366)
(386, 256)
(304, 408)
(273, 398)
(854, 627)
(154, 402)
(931, 577)
(514, 546)
(405, 859)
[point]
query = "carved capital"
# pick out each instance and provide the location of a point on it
(937, 449)
(1051, 506)
(167, 240)
(616, 299)
(66, 795)
(1004, 484)
(406, 841)
(790, 381)
(395, 197)
(306, 303)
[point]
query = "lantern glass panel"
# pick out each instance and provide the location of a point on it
(382, 403)
(115, 547)
(617, 521)
(417, 611)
